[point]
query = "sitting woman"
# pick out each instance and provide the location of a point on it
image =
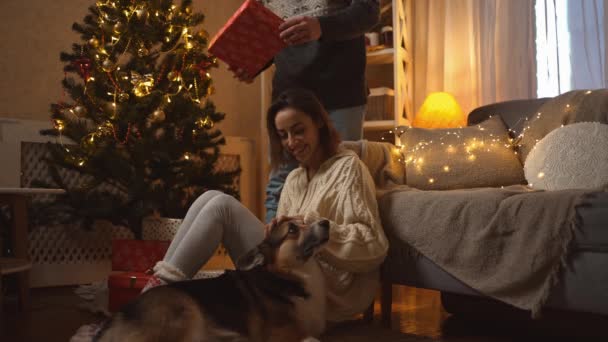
(330, 183)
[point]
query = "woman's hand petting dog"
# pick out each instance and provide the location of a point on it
(278, 220)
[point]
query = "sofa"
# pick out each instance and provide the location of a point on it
(580, 284)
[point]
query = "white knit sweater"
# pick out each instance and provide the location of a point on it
(342, 191)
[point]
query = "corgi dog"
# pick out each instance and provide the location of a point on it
(277, 294)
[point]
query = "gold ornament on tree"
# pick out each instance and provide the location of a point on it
(158, 115)
(119, 27)
(110, 108)
(122, 75)
(142, 85)
(101, 3)
(203, 34)
(141, 13)
(123, 97)
(187, 37)
(59, 125)
(174, 76)
(80, 111)
(143, 51)
(205, 123)
(88, 142)
(94, 43)
(107, 65)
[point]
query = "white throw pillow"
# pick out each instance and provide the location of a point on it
(570, 157)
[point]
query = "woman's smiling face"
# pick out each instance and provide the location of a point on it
(299, 136)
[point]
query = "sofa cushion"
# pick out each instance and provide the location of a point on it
(571, 157)
(468, 157)
(513, 113)
(568, 108)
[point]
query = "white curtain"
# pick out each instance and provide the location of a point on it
(571, 36)
(480, 51)
(587, 26)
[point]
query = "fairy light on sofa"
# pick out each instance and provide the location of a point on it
(465, 148)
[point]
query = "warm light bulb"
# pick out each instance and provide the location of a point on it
(439, 110)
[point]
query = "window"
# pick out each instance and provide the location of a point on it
(570, 46)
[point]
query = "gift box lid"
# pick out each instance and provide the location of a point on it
(137, 255)
(250, 38)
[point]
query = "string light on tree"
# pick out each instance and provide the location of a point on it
(142, 79)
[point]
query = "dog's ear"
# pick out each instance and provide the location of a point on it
(251, 259)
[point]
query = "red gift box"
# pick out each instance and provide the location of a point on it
(250, 38)
(130, 260)
(137, 255)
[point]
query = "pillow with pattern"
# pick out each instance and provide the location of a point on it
(571, 157)
(468, 157)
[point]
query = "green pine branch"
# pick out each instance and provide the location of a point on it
(138, 127)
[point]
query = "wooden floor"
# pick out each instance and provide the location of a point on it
(54, 315)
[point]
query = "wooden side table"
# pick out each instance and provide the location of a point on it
(16, 265)
(16, 199)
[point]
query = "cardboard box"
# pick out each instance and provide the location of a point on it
(250, 38)
(380, 104)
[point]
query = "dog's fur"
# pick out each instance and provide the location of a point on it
(276, 295)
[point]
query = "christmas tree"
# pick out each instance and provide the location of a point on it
(139, 125)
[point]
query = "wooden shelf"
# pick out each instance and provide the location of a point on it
(390, 66)
(379, 124)
(384, 56)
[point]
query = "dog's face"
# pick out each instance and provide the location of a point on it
(288, 245)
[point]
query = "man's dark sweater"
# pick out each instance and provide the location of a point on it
(334, 66)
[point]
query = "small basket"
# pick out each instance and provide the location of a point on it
(380, 104)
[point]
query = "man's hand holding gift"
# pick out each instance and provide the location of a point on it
(294, 31)
(300, 30)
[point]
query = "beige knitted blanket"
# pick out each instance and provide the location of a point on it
(382, 160)
(506, 243)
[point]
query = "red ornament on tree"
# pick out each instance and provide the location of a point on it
(83, 67)
(202, 68)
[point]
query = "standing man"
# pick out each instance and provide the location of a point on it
(326, 54)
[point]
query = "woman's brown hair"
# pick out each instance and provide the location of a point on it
(306, 102)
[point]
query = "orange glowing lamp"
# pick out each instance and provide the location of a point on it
(440, 110)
